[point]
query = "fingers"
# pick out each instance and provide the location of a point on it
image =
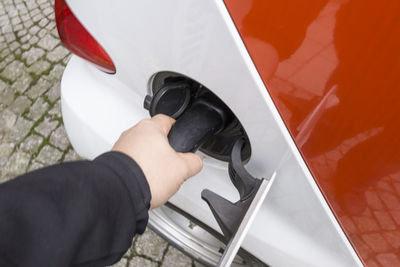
(193, 162)
(164, 121)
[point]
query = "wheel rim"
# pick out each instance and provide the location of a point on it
(189, 237)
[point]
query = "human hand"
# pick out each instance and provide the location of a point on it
(164, 168)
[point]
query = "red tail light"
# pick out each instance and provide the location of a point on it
(78, 40)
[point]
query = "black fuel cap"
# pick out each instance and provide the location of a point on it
(172, 100)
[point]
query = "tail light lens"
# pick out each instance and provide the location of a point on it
(78, 40)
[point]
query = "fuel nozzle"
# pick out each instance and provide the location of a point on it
(197, 117)
(203, 119)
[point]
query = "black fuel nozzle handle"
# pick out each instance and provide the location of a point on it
(202, 120)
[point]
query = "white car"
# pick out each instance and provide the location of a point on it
(127, 49)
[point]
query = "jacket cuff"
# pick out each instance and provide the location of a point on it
(132, 176)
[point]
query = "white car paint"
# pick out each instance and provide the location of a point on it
(295, 226)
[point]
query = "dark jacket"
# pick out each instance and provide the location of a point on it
(82, 213)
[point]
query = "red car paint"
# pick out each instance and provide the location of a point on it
(333, 70)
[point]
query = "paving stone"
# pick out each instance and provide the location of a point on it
(20, 104)
(47, 11)
(31, 143)
(6, 28)
(28, 24)
(39, 67)
(42, 33)
(39, 88)
(48, 42)
(38, 109)
(7, 119)
(34, 12)
(18, 27)
(25, 38)
(3, 86)
(57, 54)
(31, 4)
(55, 111)
(59, 138)
(9, 58)
(34, 166)
(3, 64)
(18, 51)
(54, 32)
(49, 155)
(33, 40)
(4, 53)
(46, 126)
(5, 152)
(3, 45)
(23, 11)
(32, 55)
(175, 258)
(72, 156)
(51, 26)
(9, 37)
(25, 17)
(12, 13)
(3, 16)
(66, 59)
(7, 97)
(15, 21)
(20, 6)
(2, 107)
(56, 73)
(22, 83)
(54, 93)
(37, 18)
(19, 130)
(8, 4)
(122, 263)
(150, 245)
(26, 46)
(13, 70)
(17, 164)
(48, 4)
(41, 2)
(14, 46)
(139, 261)
(43, 22)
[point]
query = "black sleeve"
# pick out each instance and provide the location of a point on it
(82, 213)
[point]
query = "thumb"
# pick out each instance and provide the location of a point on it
(193, 163)
(164, 121)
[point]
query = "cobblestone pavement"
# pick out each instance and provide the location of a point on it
(31, 128)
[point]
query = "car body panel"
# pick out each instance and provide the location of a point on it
(336, 84)
(198, 39)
